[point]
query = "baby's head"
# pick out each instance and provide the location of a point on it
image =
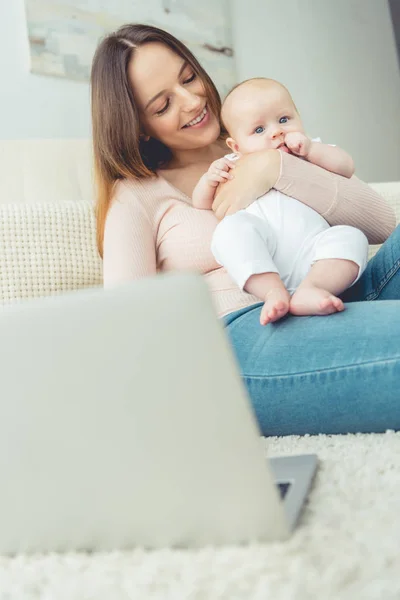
(257, 114)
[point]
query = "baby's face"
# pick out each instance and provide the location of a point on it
(259, 115)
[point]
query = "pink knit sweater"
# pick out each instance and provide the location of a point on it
(151, 226)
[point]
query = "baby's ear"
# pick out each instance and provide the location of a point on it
(230, 142)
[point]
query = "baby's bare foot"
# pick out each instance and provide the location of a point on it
(314, 301)
(276, 306)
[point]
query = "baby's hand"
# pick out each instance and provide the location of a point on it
(218, 171)
(298, 143)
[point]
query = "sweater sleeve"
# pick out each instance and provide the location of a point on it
(129, 245)
(339, 200)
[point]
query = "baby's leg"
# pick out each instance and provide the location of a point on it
(317, 293)
(244, 244)
(341, 254)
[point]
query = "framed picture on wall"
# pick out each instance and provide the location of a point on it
(63, 34)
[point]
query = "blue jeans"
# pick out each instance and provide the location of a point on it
(331, 374)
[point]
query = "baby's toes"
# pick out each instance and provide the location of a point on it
(264, 316)
(337, 303)
(326, 305)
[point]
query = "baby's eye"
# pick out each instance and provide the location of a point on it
(259, 129)
(283, 120)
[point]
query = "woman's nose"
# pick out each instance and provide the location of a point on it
(190, 102)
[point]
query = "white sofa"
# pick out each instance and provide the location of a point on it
(47, 225)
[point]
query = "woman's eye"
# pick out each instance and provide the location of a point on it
(191, 78)
(164, 108)
(283, 120)
(259, 129)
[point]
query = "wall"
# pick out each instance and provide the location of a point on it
(33, 105)
(394, 6)
(338, 59)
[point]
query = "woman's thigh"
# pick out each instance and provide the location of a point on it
(331, 374)
(381, 278)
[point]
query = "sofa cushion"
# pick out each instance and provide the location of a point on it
(46, 249)
(36, 171)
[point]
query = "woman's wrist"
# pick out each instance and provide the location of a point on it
(265, 166)
(255, 175)
(272, 168)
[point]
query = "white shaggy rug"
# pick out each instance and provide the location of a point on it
(347, 545)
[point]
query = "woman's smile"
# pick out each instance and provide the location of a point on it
(201, 120)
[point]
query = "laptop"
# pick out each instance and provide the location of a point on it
(124, 422)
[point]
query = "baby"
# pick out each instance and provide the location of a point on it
(279, 249)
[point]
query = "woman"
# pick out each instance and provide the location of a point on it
(156, 130)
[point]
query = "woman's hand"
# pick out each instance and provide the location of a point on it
(255, 175)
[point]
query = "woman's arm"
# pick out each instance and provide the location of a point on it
(255, 175)
(339, 200)
(129, 246)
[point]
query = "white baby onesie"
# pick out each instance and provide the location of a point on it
(279, 234)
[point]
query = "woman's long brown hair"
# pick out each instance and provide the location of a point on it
(119, 152)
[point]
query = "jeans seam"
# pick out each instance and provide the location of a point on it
(375, 294)
(327, 370)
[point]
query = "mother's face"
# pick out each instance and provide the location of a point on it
(171, 98)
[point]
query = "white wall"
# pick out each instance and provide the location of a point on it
(338, 59)
(33, 105)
